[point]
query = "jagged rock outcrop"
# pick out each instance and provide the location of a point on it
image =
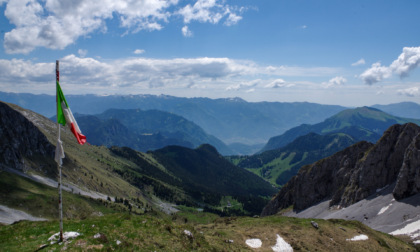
(20, 140)
(357, 172)
(408, 182)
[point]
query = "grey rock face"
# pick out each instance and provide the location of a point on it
(408, 182)
(357, 172)
(20, 140)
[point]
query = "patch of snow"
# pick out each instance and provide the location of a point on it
(412, 230)
(254, 243)
(416, 242)
(383, 209)
(282, 245)
(188, 233)
(361, 237)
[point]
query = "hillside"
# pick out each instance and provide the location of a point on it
(279, 165)
(231, 120)
(145, 130)
(138, 180)
(126, 173)
(360, 123)
(357, 173)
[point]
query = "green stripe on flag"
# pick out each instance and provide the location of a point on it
(60, 98)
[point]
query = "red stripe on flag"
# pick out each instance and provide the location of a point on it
(81, 139)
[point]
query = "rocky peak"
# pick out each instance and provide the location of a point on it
(357, 172)
(20, 140)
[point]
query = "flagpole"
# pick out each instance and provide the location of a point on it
(60, 202)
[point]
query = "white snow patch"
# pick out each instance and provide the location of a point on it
(282, 245)
(416, 242)
(412, 230)
(361, 237)
(254, 243)
(188, 233)
(383, 209)
(66, 235)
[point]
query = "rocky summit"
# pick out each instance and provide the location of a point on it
(356, 173)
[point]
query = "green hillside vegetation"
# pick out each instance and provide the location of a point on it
(41, 200)
(151, 232)
(167, 174)
(278, 166)
(363, 123)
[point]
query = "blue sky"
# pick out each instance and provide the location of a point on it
(350, 53)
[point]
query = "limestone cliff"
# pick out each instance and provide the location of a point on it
(22, 142)
(357, 172)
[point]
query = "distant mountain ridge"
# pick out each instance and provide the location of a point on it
(362, 123)
(279, 165)
(145, 130)
(232, 120)
(402, 109)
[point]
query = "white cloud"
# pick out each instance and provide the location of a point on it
(145, 75)
(139, 51)
(336, 81)
(359, 62)
(408, 60)
(56, 24)
(279, 83)
(413, 91)
(82, 52)
(244, 85)
(186, 32)
(304, 27)
(210, 11)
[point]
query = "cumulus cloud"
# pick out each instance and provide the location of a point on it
(186, 31)
(249, 85)
(55, 24)
(336, 81)
(413, 91)
(139, 51)
(359, 62)
(82, 52)
(140, 74)
(279, 83)
(408, 60)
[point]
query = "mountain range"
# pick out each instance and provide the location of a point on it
(353, 183)
(132, 187)
(362, 123)
(145, 130)
(231, 120)
(284, 155)
(176, 174)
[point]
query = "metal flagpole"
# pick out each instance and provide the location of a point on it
(60, 202)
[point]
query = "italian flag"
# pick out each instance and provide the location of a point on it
(65, 116)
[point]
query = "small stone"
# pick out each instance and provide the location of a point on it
(314, 224)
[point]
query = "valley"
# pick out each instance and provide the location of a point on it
(196, 188)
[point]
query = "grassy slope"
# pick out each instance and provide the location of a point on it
(165, 233)
(41, 200)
